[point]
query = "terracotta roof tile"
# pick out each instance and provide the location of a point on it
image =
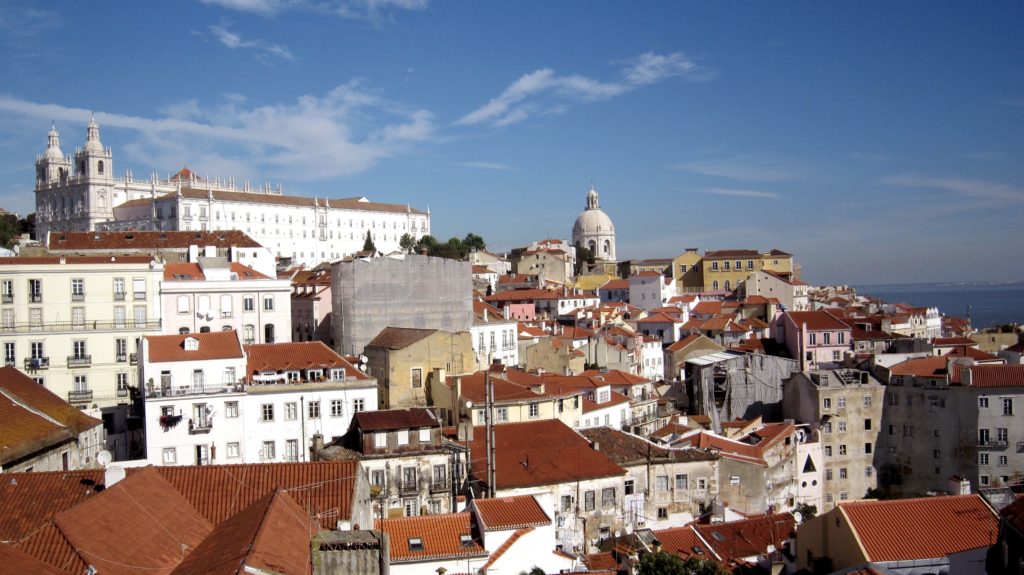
(219, 491)
(628, 449)
(16, 561)
(891, 530)
(188, 271)
(542, 452)
(948, 341)
(997, 375)
(49, 545)
(617, 284)
(77, 260)
(212, 345)
(440, 537)
(297, 356)
(973, 353)
(281, 200)
(273, 535)
(392, 419)
(932, 366)
(729, 254)
(816, 320)
(399, 337)
(31, 499)
(734, 540)
(684, 542)
(708, 307)
(506, 513)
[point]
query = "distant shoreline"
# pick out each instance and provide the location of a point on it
(963, 284)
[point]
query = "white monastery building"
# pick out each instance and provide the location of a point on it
(80, 193)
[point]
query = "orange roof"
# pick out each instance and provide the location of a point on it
(816, 320)
(220, 491)
(483, 270)
(932, 366)
(147, 240)
(891, 530)
(708, 307)
(658, 318)
(617, 284)
(997, 375)
(542, 452)
(440, 537)
(948, 341)
(728, 448)
(16, 561)
(399, 337)
(212, 345)
(615, 377)
(734, 540)
(614, 398)
(297, 356)
(684, 542)
(973, 353)
(506, 391)
(506, 513)
(271, 535)
(23, 431)
(183, 271)
(31, 499)
(77, 260)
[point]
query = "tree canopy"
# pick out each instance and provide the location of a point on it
(662, 563)
(454, 248)
(368, 244)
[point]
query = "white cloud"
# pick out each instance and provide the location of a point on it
(485, 165)
(344, 131)
(745, 169)
(374, 10)
(981, 189)
(741, 193)
(543, 92)
(235, 41)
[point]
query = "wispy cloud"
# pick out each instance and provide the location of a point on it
(740, 193)
(745, 169)
(235, 41)
(544, 92)
(485, 165)
(344, 131)
(981, 189)
(352, 9)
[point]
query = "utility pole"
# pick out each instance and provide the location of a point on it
(489, 423)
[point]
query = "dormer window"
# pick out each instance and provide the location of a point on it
(415, 544)
(191, 344)
(466, 540)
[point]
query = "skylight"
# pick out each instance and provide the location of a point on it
(415, 544)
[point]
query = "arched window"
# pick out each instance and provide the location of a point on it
(204, 329)
(182, 330)
(99, 167)
(249, 334)
(607, 245)
(714, 285)
(726, 285)
(592, 246)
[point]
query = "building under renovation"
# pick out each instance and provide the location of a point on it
(727, 385)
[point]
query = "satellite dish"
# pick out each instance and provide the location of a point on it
(104, 458)
(363, 359)
(469, 404)
(362, 367)
(798, 516)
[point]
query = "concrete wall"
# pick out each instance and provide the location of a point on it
(417, 291)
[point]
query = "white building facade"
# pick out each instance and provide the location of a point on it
(81, 193)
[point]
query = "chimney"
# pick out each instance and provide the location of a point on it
(318, 444)
(505, 312)
(965, 376)
(595, 446)
(112, 474)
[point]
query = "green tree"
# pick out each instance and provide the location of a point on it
(368, 244)
(807, 511)
(662, 563)
(9, 230)
(473, 242)
(406, 242)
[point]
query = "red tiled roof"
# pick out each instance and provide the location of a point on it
(219, 491)
(392, 419)
(684, 542)
(614, 398)
(734, 540)
(483, 270)
(707, 307)
(997, 375)
(147, 240)
(973, 353)
(932, 366)
(948, 341)
(892, 530)
(297, 356)
(271, 535)
(681, 343)
(49, 545)
(212, 345)
(658, 318)
(183, 271)
(76, 260)
(22, 431)
(728, 254)
(616, 284)
(542, 452)
(504, 390)
(31, 499)
(816, 320)
(506, 513)
(441, 537)
(1014, 514)
(17, 561)
(615, 377)
(726, 447)
(628, 449)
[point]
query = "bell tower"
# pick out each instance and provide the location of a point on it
(53, 168)
(94, 162)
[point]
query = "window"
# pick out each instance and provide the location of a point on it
(842, 449)
(661, 483)
(1003, 461)
(8, 291)
(122, 382)
(314, 409)
(358, 404)
(828, 451)
(291, 411)
(682, 482)
(248, 303)
(170, 456)
(983, 479)
(267, 412)
(827, 427)
(867, 425)
(9, 353)
(867, 448)
(35, 291)
(7, 319)
(812, 339)
(842, 427)
(291, 450)
(869, 471)
(416, 377)
(78, 317)
(828, 475)
(841, 403)
(893, 398)
(77, 290)
(702, 483)
(268, 303)
(337, 408)
(628, 487)
(566, 503)
(608, 497)
(138, 288)
(826, 338)
(842, 473)
(403, 436)
(424, 435)
(267, 451)
(78, 349)
(231, 409)
(982, 459)
(233, 450)
(983, 402)
(139, 314)
(843, 496)
(867, 401)
(589, 500)
(1007, 406)
(501, 414)
(826, 403)
(1002, 436)
(534, 410)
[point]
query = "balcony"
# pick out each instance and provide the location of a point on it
(7, 298)
(408, 487)
(33, 363)
(999, 443)
(166, 389)
(139, 295)
(79, 360)
(204, 425)
(35, 298)
(439, 486)
(10, 362)
(119, 296)
(133, 358)
(122, 392)
(59, 326)
(79, 396)
(78, 297)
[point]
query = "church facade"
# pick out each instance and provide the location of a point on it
(594, 230)
(80, 193)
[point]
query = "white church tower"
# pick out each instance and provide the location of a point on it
(594, 230)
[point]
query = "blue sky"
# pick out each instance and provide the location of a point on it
(878, 142)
